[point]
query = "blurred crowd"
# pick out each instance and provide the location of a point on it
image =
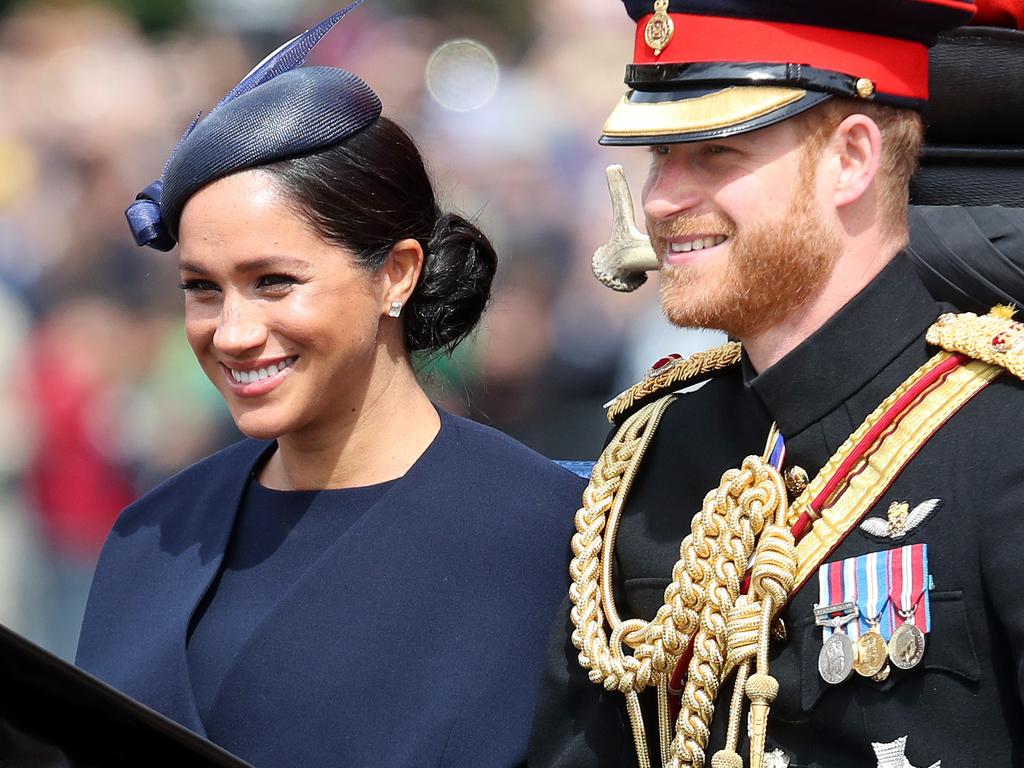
(99, 395)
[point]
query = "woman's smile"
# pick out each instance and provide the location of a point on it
(257, 378)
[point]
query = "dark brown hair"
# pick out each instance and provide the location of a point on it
(372, 190)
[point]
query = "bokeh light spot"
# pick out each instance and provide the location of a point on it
(462, 75)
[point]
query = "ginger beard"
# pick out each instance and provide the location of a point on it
(769, 273)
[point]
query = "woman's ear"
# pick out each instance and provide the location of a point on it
(401, 273)
(858, 146)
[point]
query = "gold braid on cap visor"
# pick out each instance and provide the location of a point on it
(722, 109)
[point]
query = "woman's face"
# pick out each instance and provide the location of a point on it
(285, 324)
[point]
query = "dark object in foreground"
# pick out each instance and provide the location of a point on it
(54, 715)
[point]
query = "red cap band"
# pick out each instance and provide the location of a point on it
(1000, 13)
(896, 67)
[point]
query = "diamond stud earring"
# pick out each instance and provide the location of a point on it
(396, 309)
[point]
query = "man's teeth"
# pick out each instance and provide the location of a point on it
(251, 377)
(696, 245)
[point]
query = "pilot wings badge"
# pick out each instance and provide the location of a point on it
(901, 521)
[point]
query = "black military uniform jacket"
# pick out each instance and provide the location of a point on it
(963, 704)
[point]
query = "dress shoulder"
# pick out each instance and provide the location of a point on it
(228, 466)
(486, 446)
(497, 487)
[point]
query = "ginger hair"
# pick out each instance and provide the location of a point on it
(902, 138)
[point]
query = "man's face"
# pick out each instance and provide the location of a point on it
(740, 228)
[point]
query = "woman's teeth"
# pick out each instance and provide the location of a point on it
(251, 377)
(698, 244)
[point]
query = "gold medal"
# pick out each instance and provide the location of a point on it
(883, 675)
(659, 30)
(872, 653)
(906, 646)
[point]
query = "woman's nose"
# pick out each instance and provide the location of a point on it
(240, 327)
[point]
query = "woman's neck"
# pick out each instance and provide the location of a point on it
(378, 440)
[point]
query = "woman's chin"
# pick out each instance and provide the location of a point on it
(259, 428)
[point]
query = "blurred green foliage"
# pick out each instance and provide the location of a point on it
(511, 16)
(153, 15)
(156, 15)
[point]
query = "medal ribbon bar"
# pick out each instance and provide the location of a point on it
(908, 569)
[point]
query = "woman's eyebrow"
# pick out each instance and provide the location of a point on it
(251, 265)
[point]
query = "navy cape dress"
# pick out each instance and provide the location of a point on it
(414, 639)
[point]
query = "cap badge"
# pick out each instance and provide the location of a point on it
(660, 28)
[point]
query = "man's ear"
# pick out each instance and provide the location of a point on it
(401, 272)
(857, 142)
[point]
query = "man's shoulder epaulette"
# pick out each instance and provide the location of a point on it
(995, 338)
(671, 373)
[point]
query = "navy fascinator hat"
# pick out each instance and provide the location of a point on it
(279, 110)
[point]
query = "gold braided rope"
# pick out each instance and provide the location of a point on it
(732, 630)
(748, 499)
(675, 374)
(604, 657)
(705, 583)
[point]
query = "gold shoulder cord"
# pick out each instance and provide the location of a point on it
(744, 521)
(675, 374)
(705, 585)
(995, 338)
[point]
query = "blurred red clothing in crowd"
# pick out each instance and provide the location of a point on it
(74, 478)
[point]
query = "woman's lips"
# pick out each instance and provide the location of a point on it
(255, 379)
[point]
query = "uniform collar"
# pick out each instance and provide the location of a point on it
(852, 348)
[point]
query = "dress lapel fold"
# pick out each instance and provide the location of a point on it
(157, 565)
(352, 562)
(195, 573)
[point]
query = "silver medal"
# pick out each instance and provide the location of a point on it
(906, 646)
(835, 662)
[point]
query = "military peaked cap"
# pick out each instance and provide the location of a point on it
(709, 68)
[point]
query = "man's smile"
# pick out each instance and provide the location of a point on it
(679, 248)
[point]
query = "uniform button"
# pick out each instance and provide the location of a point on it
(779, 631)
(796, 480)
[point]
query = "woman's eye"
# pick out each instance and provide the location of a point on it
(276, 282)
(196, 286)
(661, 150)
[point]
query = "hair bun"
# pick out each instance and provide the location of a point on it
(454, 287)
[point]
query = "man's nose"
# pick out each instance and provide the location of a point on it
(241, 326)
(670, 190)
